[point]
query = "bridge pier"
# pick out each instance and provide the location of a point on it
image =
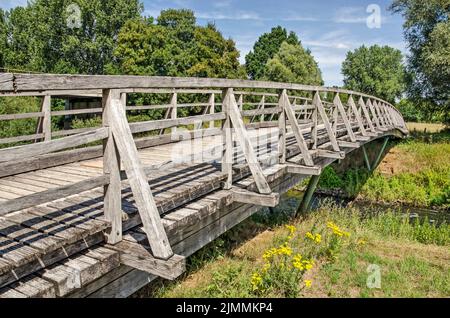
(306, 200)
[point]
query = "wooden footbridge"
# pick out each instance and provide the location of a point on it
(102, 211)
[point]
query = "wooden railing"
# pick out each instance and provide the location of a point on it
(234, 104)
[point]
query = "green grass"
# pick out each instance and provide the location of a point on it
(423, 178)
(413, 258)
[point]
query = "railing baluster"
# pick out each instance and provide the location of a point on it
(111, 168)
(227, 141)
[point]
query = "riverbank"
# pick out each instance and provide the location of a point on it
(414, 172)
(332, 252)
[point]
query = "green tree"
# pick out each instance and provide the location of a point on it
(265, 48)
(427, 31)
(175, 46)
(3, 37)
(376, 71)
(293, 64)
(45, 37)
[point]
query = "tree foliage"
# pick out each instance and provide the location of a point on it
(265, 48)
(376, 71)
(175, 46)
(3, 37)
(293, 64)
(427, 31)
(41, 38)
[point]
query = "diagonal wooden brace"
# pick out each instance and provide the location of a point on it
(142, 193)
(337, 102)
(296, 129)
(318, 103)
(244, 141)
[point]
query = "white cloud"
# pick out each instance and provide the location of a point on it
(227, 16)
(8, 4)
(353, 15)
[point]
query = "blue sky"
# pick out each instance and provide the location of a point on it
(329, 28)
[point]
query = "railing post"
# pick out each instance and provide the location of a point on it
(227, 141)
(352, 104)
(212, 109)
(282, 129)
(315, 123)
(47, 120)
(174, 107)
(263, 106)
(111, 168)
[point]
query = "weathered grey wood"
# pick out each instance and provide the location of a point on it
(245, 196)
(50, 195)
(21, 116)
(77, 111)
(244, 141)
(318, 103)
(330, 154)
(20, 138)
(296, 130)
(341, 109)
(138, 180)
(6, 82)
(137, 255)
(282, 129)
(303, 170)
(374, 115)
(266, 111)
(17, 153)
(348, 144)
(227, 143)
(366, 114)
(212, 109)
(174, 110)
(168, 123)
(352, 104)
(111, 169)
(46, 120)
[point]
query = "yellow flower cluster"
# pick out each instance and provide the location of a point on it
(336, 230)
(282, 250)
(308, 283)
(303, 265)
(314, 237)
(292, 230)
(256, 281)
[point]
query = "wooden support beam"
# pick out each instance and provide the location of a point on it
(301, 143)
(245, 196)
(212, 109)
(111, 168)
(374, 115)
(330, 154)
(348, 144)
(142, 193)
(174, 110)
(137, 255)
(303, 170)
(244, 141)
(355, 111)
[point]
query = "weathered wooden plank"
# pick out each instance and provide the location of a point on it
(6, 82)
(52, 194)
(337, 102)
(21, 116)
(11, 140)
(17, 153)
(168, 123)
(318, 103)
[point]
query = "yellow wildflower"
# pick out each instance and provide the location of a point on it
(285, 250)
(336, 230)
(292, 230)
(361, 242)
(317, 238)
(256, 281)
(266, 267)
(308, 283)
